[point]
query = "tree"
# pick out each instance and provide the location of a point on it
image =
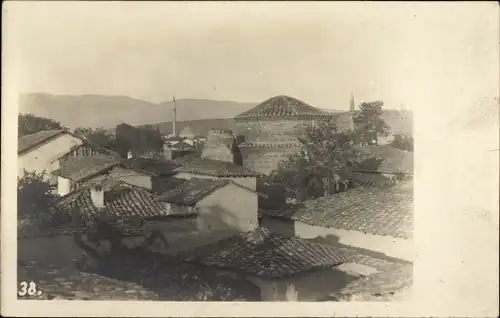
(30, 124)
(296, 175)
(34, 195)
(368, 122)
(325, 161)
(139, 140)
(99, 137)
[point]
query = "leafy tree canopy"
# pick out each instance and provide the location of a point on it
(34, 195)
(30, 124)
(368, 122)
(99, 136)
(325, 161)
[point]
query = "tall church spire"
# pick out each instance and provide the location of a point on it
(351, 105)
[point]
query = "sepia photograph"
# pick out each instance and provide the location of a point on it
(217, 152)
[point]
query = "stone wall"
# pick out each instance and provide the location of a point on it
(271, 130)
(218, 145)
(265, 159)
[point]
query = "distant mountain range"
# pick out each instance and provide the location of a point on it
(201, 114)
(108, 111)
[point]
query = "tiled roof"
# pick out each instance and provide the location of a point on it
(181, 145)
(173, 138)
(216, 168)
(261, 253)
(375, 210)
(386, 159)
(153, 155)
(184, 159)
(80, 168)
(254, 144)
(149, 166)
(34, 227)
(191, 191)
(70, 284)
(31, 140)
(282, 106)
(120, 200)
(379, 286)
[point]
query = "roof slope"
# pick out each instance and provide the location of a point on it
(70, 284)
(29, 141)
(191, 191)
(262, 253)
(120, 200)
(149, 166)
(216, 168)
(282, 106)
(377, 210)
(379, 286)
(80, 168)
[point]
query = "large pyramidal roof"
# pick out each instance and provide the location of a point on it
(282, 106)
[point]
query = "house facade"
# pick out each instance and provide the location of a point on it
(220, 204)
(48, 150)
(149, 174)
(40, 151)
(74, 172)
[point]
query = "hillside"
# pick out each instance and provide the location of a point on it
(109, 111)
(201, 114)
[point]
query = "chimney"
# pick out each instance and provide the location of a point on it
(129, 154)
(97, 195)
(174, 118)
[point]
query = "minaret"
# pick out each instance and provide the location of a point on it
(174, 117)
(351, 105)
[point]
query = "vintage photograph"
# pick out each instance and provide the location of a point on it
(181, 153)
(206, 165)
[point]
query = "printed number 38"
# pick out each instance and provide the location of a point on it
(29, 289)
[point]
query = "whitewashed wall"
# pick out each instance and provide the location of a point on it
(391, 246)
(42, 157)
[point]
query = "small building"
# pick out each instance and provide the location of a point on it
(46, 150)
(172, 140)
(75, 171)
(220, 204)
(219, 159)
(376, 218)
(216, 169)
(146, 173)
(285, 268)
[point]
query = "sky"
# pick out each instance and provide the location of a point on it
(400, 53)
